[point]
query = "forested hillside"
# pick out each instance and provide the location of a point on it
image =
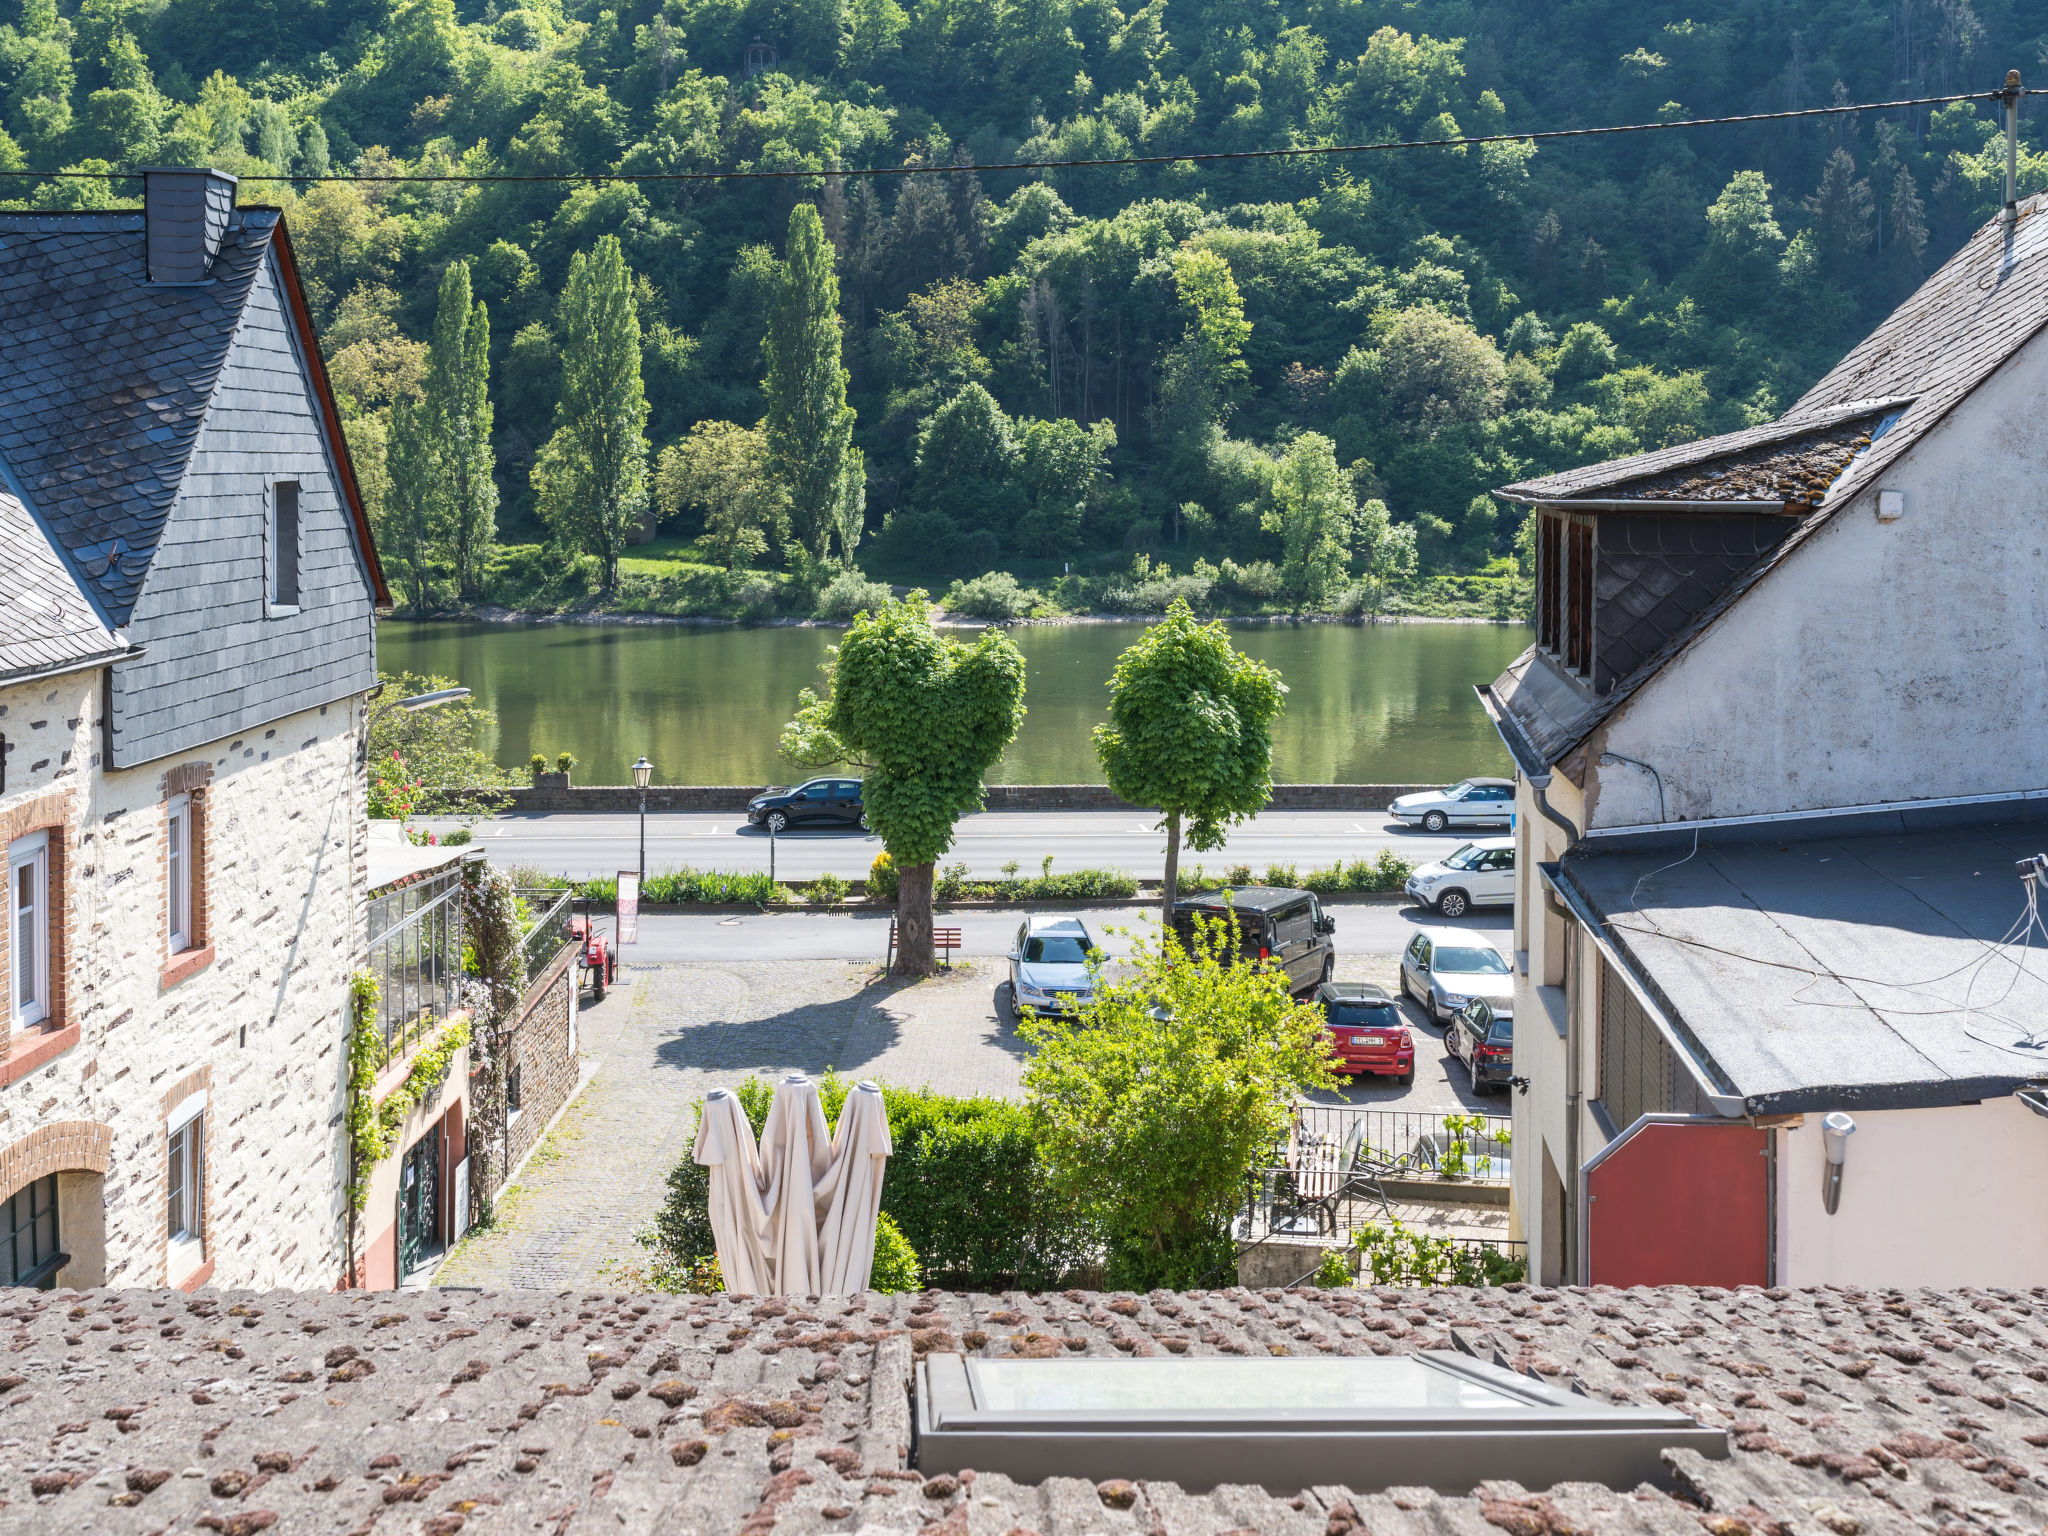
(1282, 369)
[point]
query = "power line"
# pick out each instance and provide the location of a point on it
(1201, 157)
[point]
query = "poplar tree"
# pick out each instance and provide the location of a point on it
(809, 423)
(592, 475)
(415, 509)
(459, 400)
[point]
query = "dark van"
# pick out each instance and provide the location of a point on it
(1282, 927)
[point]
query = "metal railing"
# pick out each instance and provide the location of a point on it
(547, 934)
(1410, 1259)
(1442, 1145)
(415, 952)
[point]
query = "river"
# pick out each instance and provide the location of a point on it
(1371, 704)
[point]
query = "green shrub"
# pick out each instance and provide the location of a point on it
(1077, 885)
(1334, 1273)
(1388, 872)
(882, 879)
(539, 763)
(564, 761)
(849, 593)
(1282, 875)
(602, 889)
(896, 1268)
(1396, 1256)
(688, 887)
(828, 890)
(995, 595)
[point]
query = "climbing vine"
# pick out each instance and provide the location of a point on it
(493, 929)
(373, 1127)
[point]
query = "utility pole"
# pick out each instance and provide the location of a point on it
(2010, 217)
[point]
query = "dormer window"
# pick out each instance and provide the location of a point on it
(283, 551)
(1564, 588)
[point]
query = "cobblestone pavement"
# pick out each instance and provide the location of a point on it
(657, 1044)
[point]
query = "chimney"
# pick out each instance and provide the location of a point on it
(185, 216)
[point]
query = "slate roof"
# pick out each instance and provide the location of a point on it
(1857, 1413)
(1985, 303)
(104, 380)
(1838, 972)
(1792, 459)
(46, 622)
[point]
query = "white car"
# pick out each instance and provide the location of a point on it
(1480, 874)
(1467, 803)
(1445, 968)
(1049, 964)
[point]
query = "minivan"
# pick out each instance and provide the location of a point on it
(1279, 926)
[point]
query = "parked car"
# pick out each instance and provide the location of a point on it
(1366, 1030)
(1482, 1035)
(1444, 969)
(1480, 874)
(1276, 926)
(1467, 803)
(1049, 964)
(834, 802)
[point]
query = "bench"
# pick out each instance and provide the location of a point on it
(944, 940)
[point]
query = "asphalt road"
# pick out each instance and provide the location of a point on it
(1362, 929)
(581, 844)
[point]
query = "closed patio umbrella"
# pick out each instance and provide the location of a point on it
(739, 1214)
(850, 1195)
(796, 1152)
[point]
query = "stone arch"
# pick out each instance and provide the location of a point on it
(78, 1153)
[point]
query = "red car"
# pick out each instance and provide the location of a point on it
(1366, 1030)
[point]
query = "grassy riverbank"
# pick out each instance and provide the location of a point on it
(669, 579)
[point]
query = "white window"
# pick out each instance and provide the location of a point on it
(28, 934)
(185, 1190)
(178, 872)
(282, 548)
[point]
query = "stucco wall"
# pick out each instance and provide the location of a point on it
(1939, 1197)
(257, 1027)
(1881, 661)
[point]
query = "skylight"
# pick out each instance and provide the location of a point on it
(1437, 1419)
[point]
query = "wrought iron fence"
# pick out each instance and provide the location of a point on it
(1453, 1146)
(546, 913)
(416, 956)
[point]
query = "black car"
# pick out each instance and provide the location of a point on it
(1483, 1037)
(817, 802)
(1276, 925)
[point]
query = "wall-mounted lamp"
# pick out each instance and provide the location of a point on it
(1835, 1131)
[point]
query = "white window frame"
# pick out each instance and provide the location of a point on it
(185, 1139)
(31, 852)
(178, 884)
(271, 607)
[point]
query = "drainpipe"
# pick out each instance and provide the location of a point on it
(1573, 1088)
(2011, 94)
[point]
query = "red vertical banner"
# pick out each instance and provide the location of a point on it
(629, 906)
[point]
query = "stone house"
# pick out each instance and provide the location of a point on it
(1778, 750)
(186, 650)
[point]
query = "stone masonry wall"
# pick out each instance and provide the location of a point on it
(732, 798)
(539, 1044)
(253, 1015)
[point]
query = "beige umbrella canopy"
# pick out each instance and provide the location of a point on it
(796, 1153)
(849, 1197)
(739, 1214)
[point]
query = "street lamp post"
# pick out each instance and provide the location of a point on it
(412, 705)
(642, 772)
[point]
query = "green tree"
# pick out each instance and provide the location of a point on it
(722, 468)
(459, 404)
(1386, 553)
(1060, 463)
(1190, 733)
(415, 517)
(1312, 511)
(967, 463)
(443, 748)
(1175, 1080)
(925, 717)
(591, 478)
(809, 423)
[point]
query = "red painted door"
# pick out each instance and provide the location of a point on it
(1683, 1203)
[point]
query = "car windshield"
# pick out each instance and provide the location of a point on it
(1055, 949)
(1364, 1015)
(1465, 857)
(1456, 789)
(1250, 929)
(1471, 962)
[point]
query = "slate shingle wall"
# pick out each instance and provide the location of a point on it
(217, 665)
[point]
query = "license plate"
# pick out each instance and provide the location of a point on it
(1374, 1042)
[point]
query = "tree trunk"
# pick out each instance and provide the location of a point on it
(914, 920)
(1171, 884)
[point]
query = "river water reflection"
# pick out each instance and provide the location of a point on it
(1386, 703)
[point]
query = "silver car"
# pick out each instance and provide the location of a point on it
(1443, 969)
(1467, 803)
(1049, 965)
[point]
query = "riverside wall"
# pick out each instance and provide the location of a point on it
(732, 799)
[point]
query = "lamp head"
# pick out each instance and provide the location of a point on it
(420, 701)
(1835, 1131)
(643, 771)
